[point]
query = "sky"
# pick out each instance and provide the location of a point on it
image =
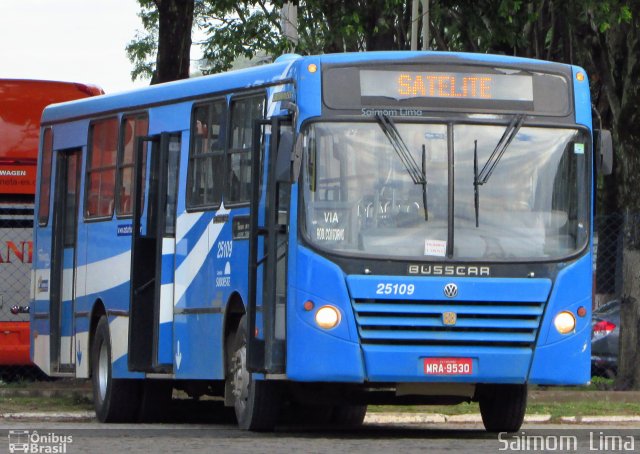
(69, 40)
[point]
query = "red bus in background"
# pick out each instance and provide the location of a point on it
(21, 105)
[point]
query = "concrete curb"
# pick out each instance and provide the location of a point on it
(413, 418)
(371, 418)
(66, 416)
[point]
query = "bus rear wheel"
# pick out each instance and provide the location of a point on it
(256, 402)
(115, 400)
(502, 407)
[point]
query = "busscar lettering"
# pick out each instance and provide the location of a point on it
(448, 270)
(224, 281)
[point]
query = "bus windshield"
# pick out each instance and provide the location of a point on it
(361, 198)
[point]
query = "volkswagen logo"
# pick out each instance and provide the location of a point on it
(451, 290)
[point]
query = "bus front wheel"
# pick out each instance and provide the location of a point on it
(115, 400)
(502, 407)
(256, 402)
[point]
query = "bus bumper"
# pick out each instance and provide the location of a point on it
(407, 364)
(14, 344)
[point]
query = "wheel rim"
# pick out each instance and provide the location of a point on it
(103, 371)
(241, 378)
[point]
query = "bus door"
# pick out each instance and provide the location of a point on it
(268, 244)
(153, 242)
(63, 259)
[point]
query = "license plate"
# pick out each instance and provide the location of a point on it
(448, 366)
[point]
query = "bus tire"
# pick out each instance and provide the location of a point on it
(299, 414)
(256, 402)
(503, 407)
(348, 416)
(115, 400)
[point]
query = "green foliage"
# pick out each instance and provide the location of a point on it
(238, 29)
(142, 50)
(247, 28)
(139, 51)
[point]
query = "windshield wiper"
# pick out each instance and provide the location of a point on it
(481, 178)
(417, 173)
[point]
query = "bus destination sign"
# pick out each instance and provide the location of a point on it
(400, 85)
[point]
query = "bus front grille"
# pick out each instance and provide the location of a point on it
(440, 323)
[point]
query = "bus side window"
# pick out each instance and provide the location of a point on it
(101, 168)
(133, 126)
(243, 112)
(206, 156)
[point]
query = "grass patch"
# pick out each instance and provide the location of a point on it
(68, 400)
(596, 384)
(585, 408)
(555, 409)
(27, 404)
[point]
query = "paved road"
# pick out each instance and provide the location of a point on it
(371, 439)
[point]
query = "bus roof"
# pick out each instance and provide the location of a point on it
(427, 56)
(170, 92)
(280, 70)
(21, 104)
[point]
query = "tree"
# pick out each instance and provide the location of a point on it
(168, 23)
(247, 28)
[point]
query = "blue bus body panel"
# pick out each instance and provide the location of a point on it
(582, 98)
(205, 282)
(566, 359)
(336, 355)
(515, 290)
(314, 354)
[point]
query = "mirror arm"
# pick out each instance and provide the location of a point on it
(296, 152)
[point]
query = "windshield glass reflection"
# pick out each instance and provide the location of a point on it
(361, 197)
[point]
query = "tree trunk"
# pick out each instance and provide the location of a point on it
(332, 11)
(629, 353)
(175, 19)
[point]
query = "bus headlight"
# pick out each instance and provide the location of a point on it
(327, 317)
(565, 322)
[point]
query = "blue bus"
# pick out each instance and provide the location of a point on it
(322, 232)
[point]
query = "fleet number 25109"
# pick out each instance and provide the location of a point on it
(395, 289)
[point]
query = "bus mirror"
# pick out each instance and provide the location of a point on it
(283, 158)
(604, 152)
